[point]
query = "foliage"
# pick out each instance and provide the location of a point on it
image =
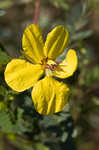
(4, 58)
(21, 127)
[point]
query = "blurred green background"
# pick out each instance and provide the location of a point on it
(77, 127)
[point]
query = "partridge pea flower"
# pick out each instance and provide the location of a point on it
(48, 94)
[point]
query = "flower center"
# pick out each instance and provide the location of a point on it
(49, 66)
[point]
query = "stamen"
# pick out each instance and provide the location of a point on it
(44, 60)
(52, 67)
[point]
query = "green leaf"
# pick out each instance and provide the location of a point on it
(2, 90)
(5, 122)
(21, 144)
(20, 113)
(7, 126)
(4, 58)
(64, 137)
(19, 127)
(40, 146)
(82, 35)
(50, 120)
(53, 120)
(64, 5)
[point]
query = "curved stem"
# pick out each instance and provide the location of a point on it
(37, 11)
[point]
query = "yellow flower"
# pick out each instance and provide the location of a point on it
(49, 95)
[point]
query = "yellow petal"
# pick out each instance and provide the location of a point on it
(50, 96)
(32, 43)
(68, 66)
(56, 42)
(21, 75)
